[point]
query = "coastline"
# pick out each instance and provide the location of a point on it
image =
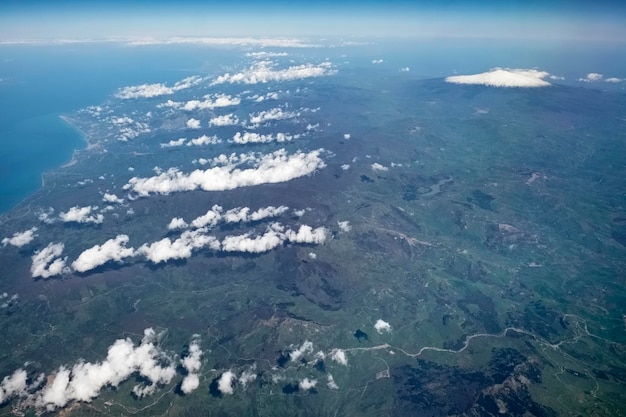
(28, 199)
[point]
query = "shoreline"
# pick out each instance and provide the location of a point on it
(73, 160)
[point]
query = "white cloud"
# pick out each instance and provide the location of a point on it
(192, 363)
(85, 380)
(405, 69)
(81, 215)
(312, 255)
(297, 353)
(378, 167)
(346, 136)
(259, 244)
(111, 250)
(270, 168)
(204, 140)
(556, 77)
(382, 326)
(155, 90)
(112, 198)
(47, 261)
(193, 123)
(20, 239)
(264, 54)
(591, 77)
(377, 61)
(613, 80)
(306, 384)
(344, 226)
(339, 356)
(172, 143)
(248, 376)
(181, 248)
(13, 385)
(226, 383)
(272, 114)
(252, 137)
(330, 382)
(504, 77)
(260, 42)
(262, 72)
(306, 234)
(177, 223)
(210, 102)
(224, 120)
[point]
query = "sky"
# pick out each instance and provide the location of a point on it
(554, 20)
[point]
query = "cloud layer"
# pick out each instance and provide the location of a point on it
(504, 77)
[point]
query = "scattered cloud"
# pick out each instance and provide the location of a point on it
(339, 356)
(265, 54)
(377, 61)
(204, 140)
(192, 363)
(504, 77)
(260, 42)
(193, 123)
(248, 376)
(330, 382)
(47, 261)
(111, 250)
(177, 223)
(591, 77)
(13, 385)
(271, 114)
(344, 226)
(173, 143)
(226, 383)
(210, 102)
(382, 326)
(275, 167)
(81, 215)
(405, 69)
(252, 137)
(155, 90)
(306, 384)
(297, 353)
(181, 248)
(20, 239)
(345, 167)
(613, 80)
(263, 72)
(378, 167)
(112, 198)
(224, 120)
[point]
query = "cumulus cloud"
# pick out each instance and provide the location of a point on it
(112, 198)
(378, 167)
(155, 90)
(193, 123)
(504, 77)
(177, 223)
(272, 114)
(613, 80)
(263, 72)
(20, 239)
(47, 261)
(306, 384)
(173, 143)
(344, 226)
(248, 376)
(405, 69)
(181, 248)
(377, 61)
(192, 363)
(252, 137)
(226, 383)
(274, 236)
(84, 380)
(330, 382)
(339, 356)
(591, 77)
(111, 250)
(13, 385)
(204, 140)
(345, 167)
(382, 326)
(224, 120)
(81, 215)
(275, 167)
(297, 353)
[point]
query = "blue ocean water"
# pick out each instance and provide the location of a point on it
(40, 83)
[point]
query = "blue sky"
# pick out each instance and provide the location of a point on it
(555, 20)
